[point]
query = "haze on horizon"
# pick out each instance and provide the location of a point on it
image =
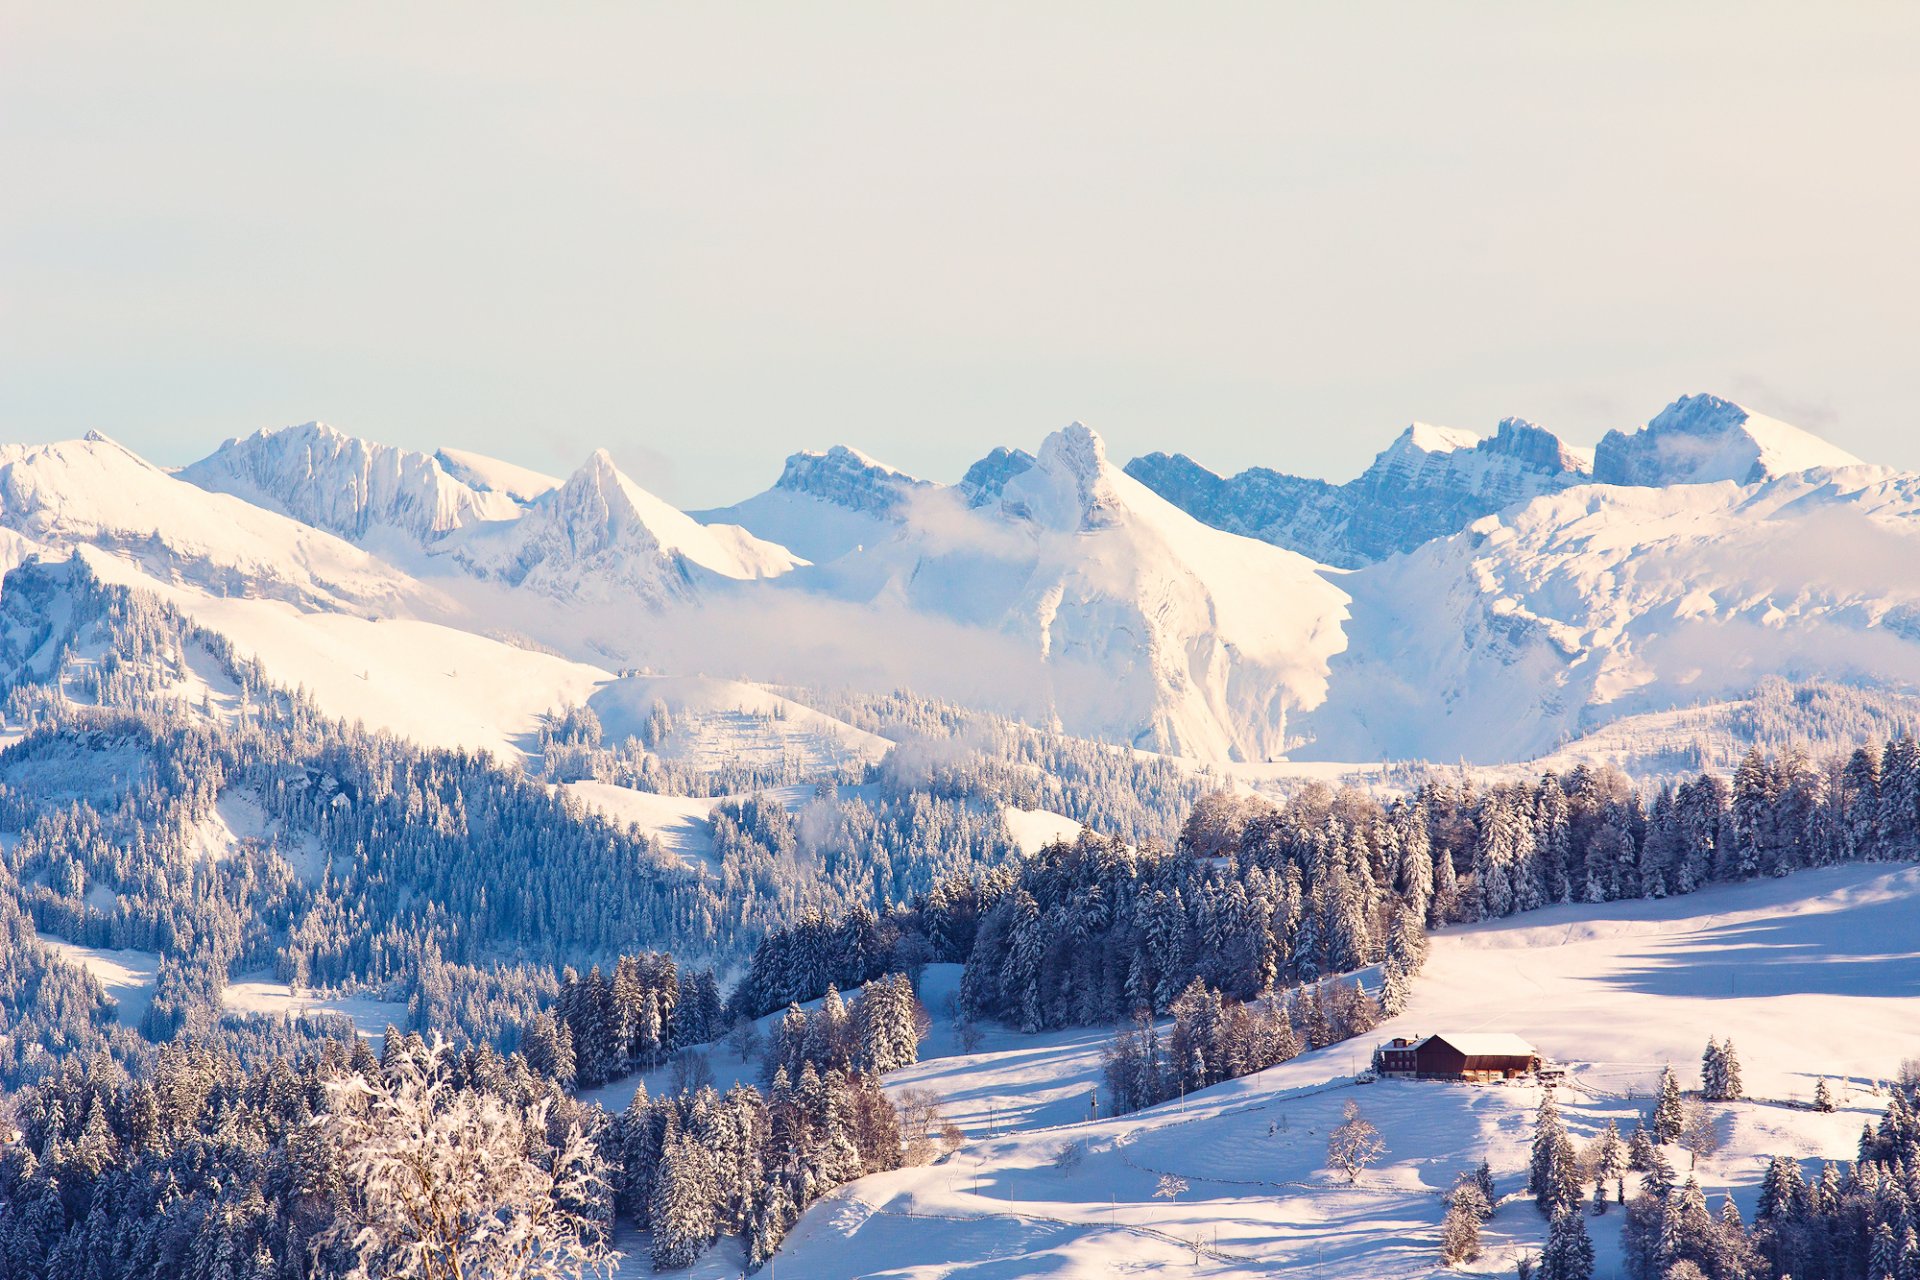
(705, 237)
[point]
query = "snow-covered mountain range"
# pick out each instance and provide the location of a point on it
(1465, 597)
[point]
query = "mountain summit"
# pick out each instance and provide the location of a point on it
(1701, 439)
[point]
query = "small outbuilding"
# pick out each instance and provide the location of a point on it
(1472, 1055)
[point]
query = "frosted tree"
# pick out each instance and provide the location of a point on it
(1354, 1144)
(1699, 1136)
(445, 1183)
(887, 1022)
(682, 1212)
(1610, 1160)
(1467, 1208)
(1553, 1176)
(1668, 1118)
(1720, 1072)
(1569, 1251)
(1823, 1096)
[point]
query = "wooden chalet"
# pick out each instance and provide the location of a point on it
(1474, 1055)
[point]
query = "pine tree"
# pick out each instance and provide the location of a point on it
(1553, 1176)
(1569, 1251)
(1639, 1149)
(682, 1211)
(1668, 1117)
(1712, 1071)
(1730, 1083)
(1610, 1160)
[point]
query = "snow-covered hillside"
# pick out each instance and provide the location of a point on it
(97, 493)
(1151, 627)
(1543, 622)
(1614, 992)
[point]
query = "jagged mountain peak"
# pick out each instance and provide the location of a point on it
(825, 504)
(1701, 439)
(599, 534)
(848, 478)
(1069, 485)
(1430, 481)
(346, 485)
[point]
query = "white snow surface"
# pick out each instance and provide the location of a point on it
(1541, 623)
(128, 977)
(1148, 626)
(1035, 829)
(491, 475)
(825, 504)
(1612, 992)
(716, 721)
(600, 536)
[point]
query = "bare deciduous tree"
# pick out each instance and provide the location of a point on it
(1355, 1143)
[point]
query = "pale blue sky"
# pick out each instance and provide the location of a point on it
(704, 235)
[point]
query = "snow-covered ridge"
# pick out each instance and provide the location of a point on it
(348, 486)
(1546, 621)
(491, 475)
(1431, 481)
(1049, 586)
(96, 493)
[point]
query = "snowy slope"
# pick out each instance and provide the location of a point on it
(128, 977)
(1541, 623)
(436, 684)
(1614, 991)
(95, 492)
(716, 721)
(491, 475)
(600, 536)
(1150, 627)
(1700, 439)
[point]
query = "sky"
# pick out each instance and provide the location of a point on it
(705, 236)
